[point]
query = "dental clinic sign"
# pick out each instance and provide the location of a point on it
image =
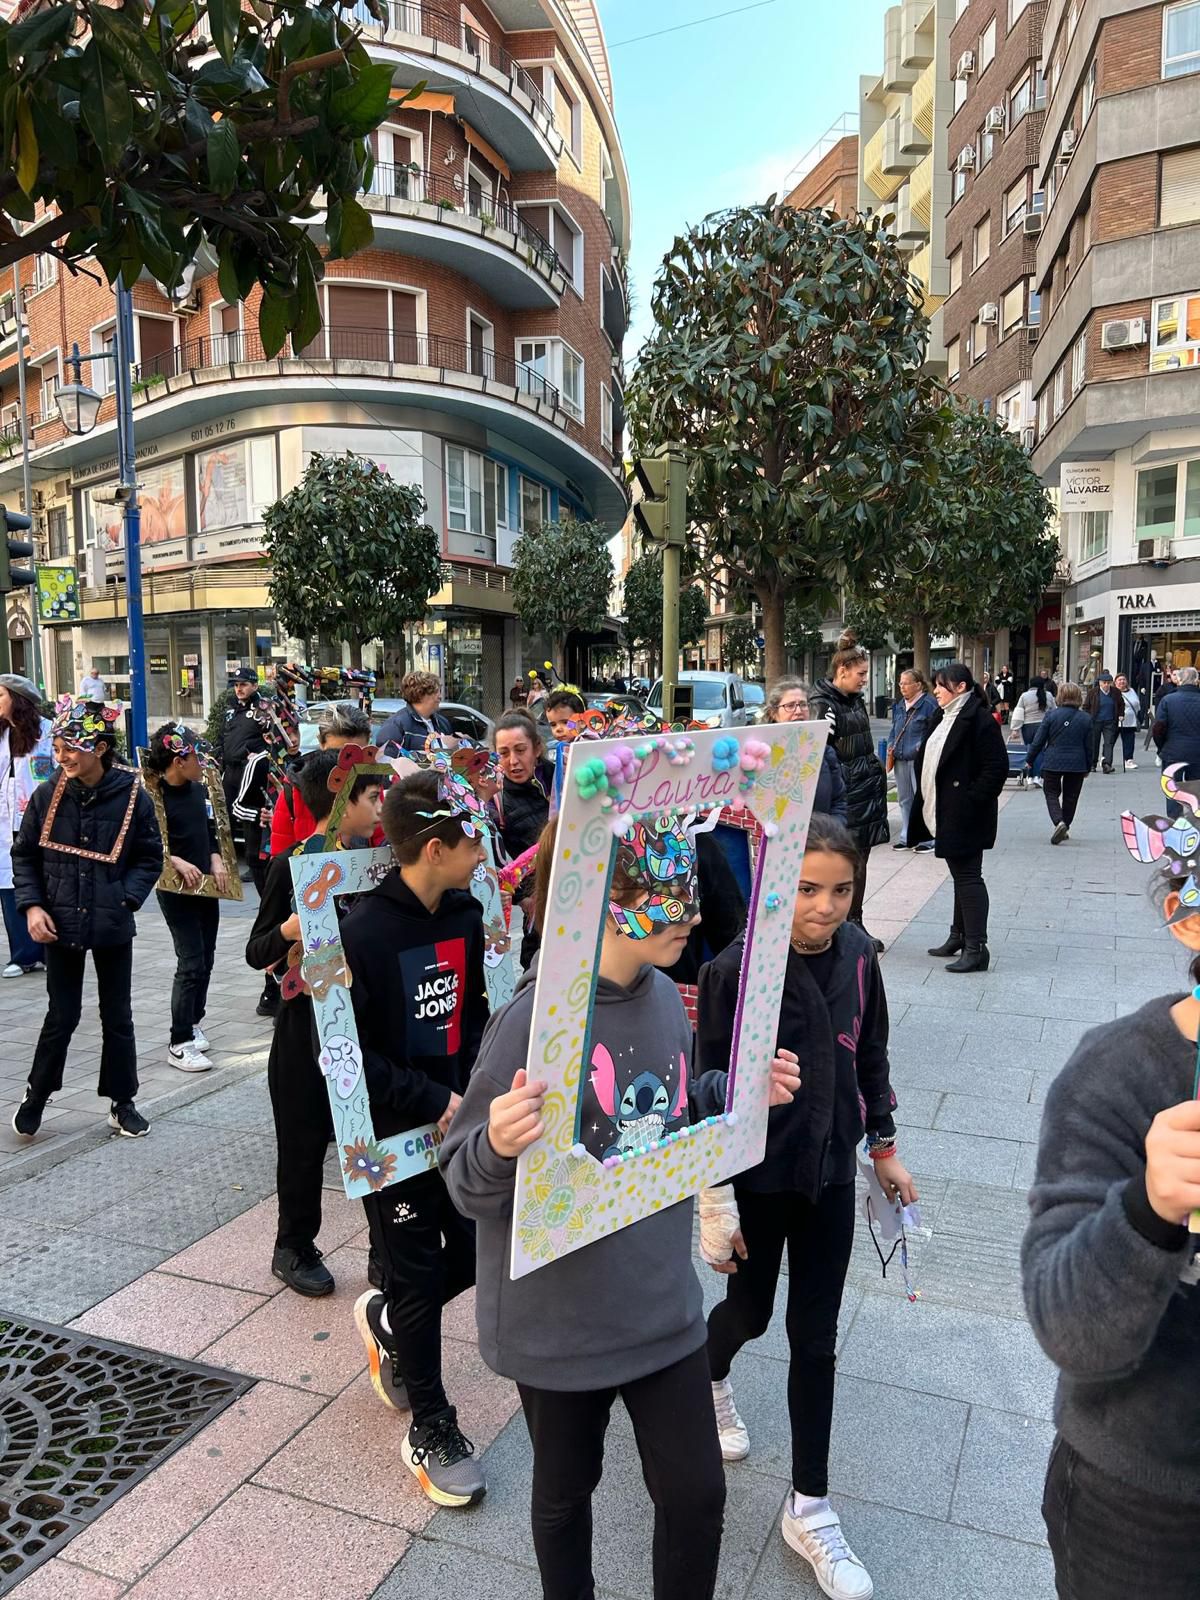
(1086, 486)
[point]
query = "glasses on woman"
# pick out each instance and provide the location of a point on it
(790, 709)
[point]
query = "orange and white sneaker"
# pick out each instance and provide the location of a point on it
(441, 1460)
(385, 1380)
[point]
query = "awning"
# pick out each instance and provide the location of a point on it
(478, 142)
(429, 101)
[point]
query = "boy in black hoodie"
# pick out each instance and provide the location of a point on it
(415, 948)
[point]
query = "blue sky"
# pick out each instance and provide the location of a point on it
(718, 115)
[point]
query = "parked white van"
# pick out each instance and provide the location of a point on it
(718, 698)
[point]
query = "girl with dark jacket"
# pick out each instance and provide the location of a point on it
(839, 699)
(88, 853)
(834, 1019)
(1063, 743)
(961, 769)
(522, 805)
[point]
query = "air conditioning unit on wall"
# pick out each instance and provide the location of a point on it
(1032, 222)
(990, 312)
(1122, 334)
(966, 64)
(1069, 140)
(1157, 552)
(994, 121)
(966, 158)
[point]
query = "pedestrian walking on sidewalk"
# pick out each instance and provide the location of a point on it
(833, 1019)
(1106, 707)
(299, 1097)
(961, 769)
(1028, 714)
(88, 853)
(1112, 1288)
(1130, 721)
(26, 759)
(839, 699)
(1176, 730)
(912, 717)
(192, 848)
(787, 701)
(1064, 744)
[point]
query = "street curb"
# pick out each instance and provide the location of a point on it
(43, 1158)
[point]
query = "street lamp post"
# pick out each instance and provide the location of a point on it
(79, 406)
(26, 476)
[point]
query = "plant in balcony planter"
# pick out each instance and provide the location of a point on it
(446, 204)
(141, 385)
(487, 220)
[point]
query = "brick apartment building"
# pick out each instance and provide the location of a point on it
(830, 181)
(1116, 370)
(475, 350)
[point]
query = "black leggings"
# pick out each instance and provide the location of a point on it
(193, 921)
(818, 1239)
(1062, 791)
(676, 1434)
(971, 903)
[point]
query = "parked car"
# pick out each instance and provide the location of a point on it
(718, 698)
(465, 720)
(599, 698)
(756, 699)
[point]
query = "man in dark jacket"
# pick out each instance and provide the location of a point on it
(1105, 705)
(245, 766)
(88, 853)
(1176, 730)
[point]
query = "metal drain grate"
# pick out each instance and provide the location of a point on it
(81, 1421)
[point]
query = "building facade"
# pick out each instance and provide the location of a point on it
(474, 350)
(904, 114)
(1116, 370)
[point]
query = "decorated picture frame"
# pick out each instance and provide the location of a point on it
(169, 879)
(566, 1196)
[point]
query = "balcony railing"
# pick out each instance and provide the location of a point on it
(428, 22)
(373, 345)
(403, 181)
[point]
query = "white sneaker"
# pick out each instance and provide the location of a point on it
(1040, 782)
(731, 1430)
(198, 1037)
(1131, 766)
(819, 1539)
(13, 970)
(188, 1057)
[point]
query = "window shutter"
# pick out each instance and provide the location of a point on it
(1180, 187)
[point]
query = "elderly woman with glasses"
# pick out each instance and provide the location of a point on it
(788, 702)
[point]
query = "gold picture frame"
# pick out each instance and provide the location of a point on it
(169, 880)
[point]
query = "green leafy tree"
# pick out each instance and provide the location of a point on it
(984, 548)
(643, 608)
(785, 362)
(152, 144)
(737, 644)
(562, 577)
(801, 627)
(351, 554)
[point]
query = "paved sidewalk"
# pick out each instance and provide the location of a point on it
(943, 1407)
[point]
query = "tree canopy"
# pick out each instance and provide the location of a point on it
(134, 140)
(643, 607)
(985, 549)
(785, 363)
(351, 555)
(562, 578)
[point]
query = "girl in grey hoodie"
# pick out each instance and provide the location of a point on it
(623, 1316)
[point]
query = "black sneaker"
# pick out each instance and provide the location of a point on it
(27, 1118)
(385, 1380)
(374, 1269)
(439, 1457)
(302, 1270)
(127, 1120)
(268, 1002)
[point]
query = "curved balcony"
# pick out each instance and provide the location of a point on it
(507, 105)
(428, 214)
(922, 103)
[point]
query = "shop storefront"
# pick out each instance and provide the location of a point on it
(1047, 639)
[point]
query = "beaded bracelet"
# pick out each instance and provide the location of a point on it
(882, 1152)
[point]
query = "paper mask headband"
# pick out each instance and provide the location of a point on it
(80, 724)
(458, 800)
(661, 858)
(181, 741)
(1173, 841)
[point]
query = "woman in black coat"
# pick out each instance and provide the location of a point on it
(1064, 742)
(839, 699)
(961, 769)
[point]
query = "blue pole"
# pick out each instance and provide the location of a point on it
(123, 350)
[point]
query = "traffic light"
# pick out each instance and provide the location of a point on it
(15, 577)
(661, 514)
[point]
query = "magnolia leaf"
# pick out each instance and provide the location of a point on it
(27, 147)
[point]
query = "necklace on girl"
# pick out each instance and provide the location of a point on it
(803, 949)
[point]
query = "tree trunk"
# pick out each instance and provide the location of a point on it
(356, 650)
(920, 636)
(775, 655)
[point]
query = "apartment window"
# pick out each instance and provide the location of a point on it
(1043, 412)
(1179, 189)
(1020, 97)
(979, 340)
(572, 382)
(987, 45)
(985, 145)
(102, 375)
(1093, 533)
(552, 361)
(1012, 308)
(561, 231)
(45, 272)
(57, 532)
(606, 417)
(958, 186)
(476, 493)
(43, 380)
(1072, 20)
(1181, 40)
(1175, 333)
(1015, 8)
(960, 93)
(1010, 409)
(1157, 492)
(566, 115)
(1089, 91)
(535, 504)
(952, 359)
(981, 243)
(955, 265)
(1060, 391)
(1085, 233)
(1033, 315)
(1016, 202)
(1079, 363)
(959, 7)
